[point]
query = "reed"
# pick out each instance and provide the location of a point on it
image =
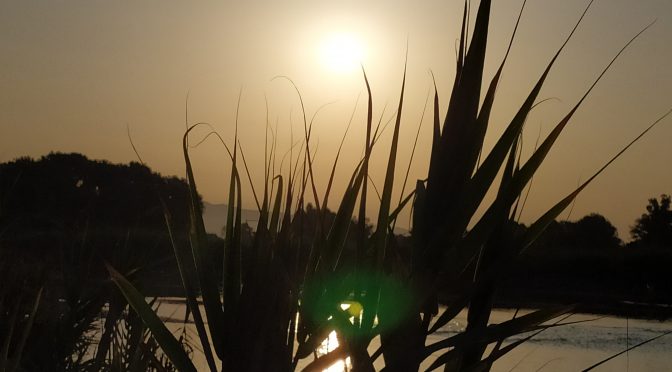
(279, 298)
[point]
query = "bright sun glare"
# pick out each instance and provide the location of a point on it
(341, 52)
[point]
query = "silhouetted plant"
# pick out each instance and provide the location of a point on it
(277, 308)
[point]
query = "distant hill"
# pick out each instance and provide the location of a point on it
(214, 217)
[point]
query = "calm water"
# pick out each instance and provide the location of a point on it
(567, 348)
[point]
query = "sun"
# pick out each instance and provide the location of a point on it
(341, 52)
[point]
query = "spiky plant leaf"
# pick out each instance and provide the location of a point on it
(188, 275)
(495, 332)
(206, 273)
(169, 344)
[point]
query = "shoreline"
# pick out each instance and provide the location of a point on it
(619, 309)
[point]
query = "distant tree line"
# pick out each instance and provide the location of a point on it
(70, 192)
(63, 216)
(585, 262)
(594, 232)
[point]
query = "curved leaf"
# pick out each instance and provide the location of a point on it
(169, 344)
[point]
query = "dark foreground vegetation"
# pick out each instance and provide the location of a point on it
(64, 215)
(61, 218)
(270, 298)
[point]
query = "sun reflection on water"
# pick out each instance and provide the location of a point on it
(328, 345)
(354, 309)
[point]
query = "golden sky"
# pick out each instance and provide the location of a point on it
(75, 73)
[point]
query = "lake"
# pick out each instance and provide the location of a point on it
(571, 347)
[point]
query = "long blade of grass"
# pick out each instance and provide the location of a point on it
(452, 310)
(492, 333)
(483, 118)
(482, 230)
(410, 162)
(339, 230)
(230, 218)
(530, 167)
(275, 213)
(169, 344)
(206, 274)
(249, 177)
(436, 127)
(185, 266)
(361, 219)
(486, 364)
(307, 129)
(233, 256)
(231, 265)
(463, 105)
(624, 351)
(486, 174)
(540, 224)
(450, 167)
(400, 207)
(380, 235)
(333, 168)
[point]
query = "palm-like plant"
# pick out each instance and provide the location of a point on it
(281, 297)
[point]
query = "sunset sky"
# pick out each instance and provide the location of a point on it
(75, 74)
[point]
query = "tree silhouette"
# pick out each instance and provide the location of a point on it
(591, 233)
(654, 228)
(68, 192)
(595, 231)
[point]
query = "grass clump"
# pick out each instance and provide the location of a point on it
(278, 299)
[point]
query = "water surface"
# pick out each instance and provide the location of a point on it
(571, 347)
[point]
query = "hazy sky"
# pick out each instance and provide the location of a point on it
(74, 74)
